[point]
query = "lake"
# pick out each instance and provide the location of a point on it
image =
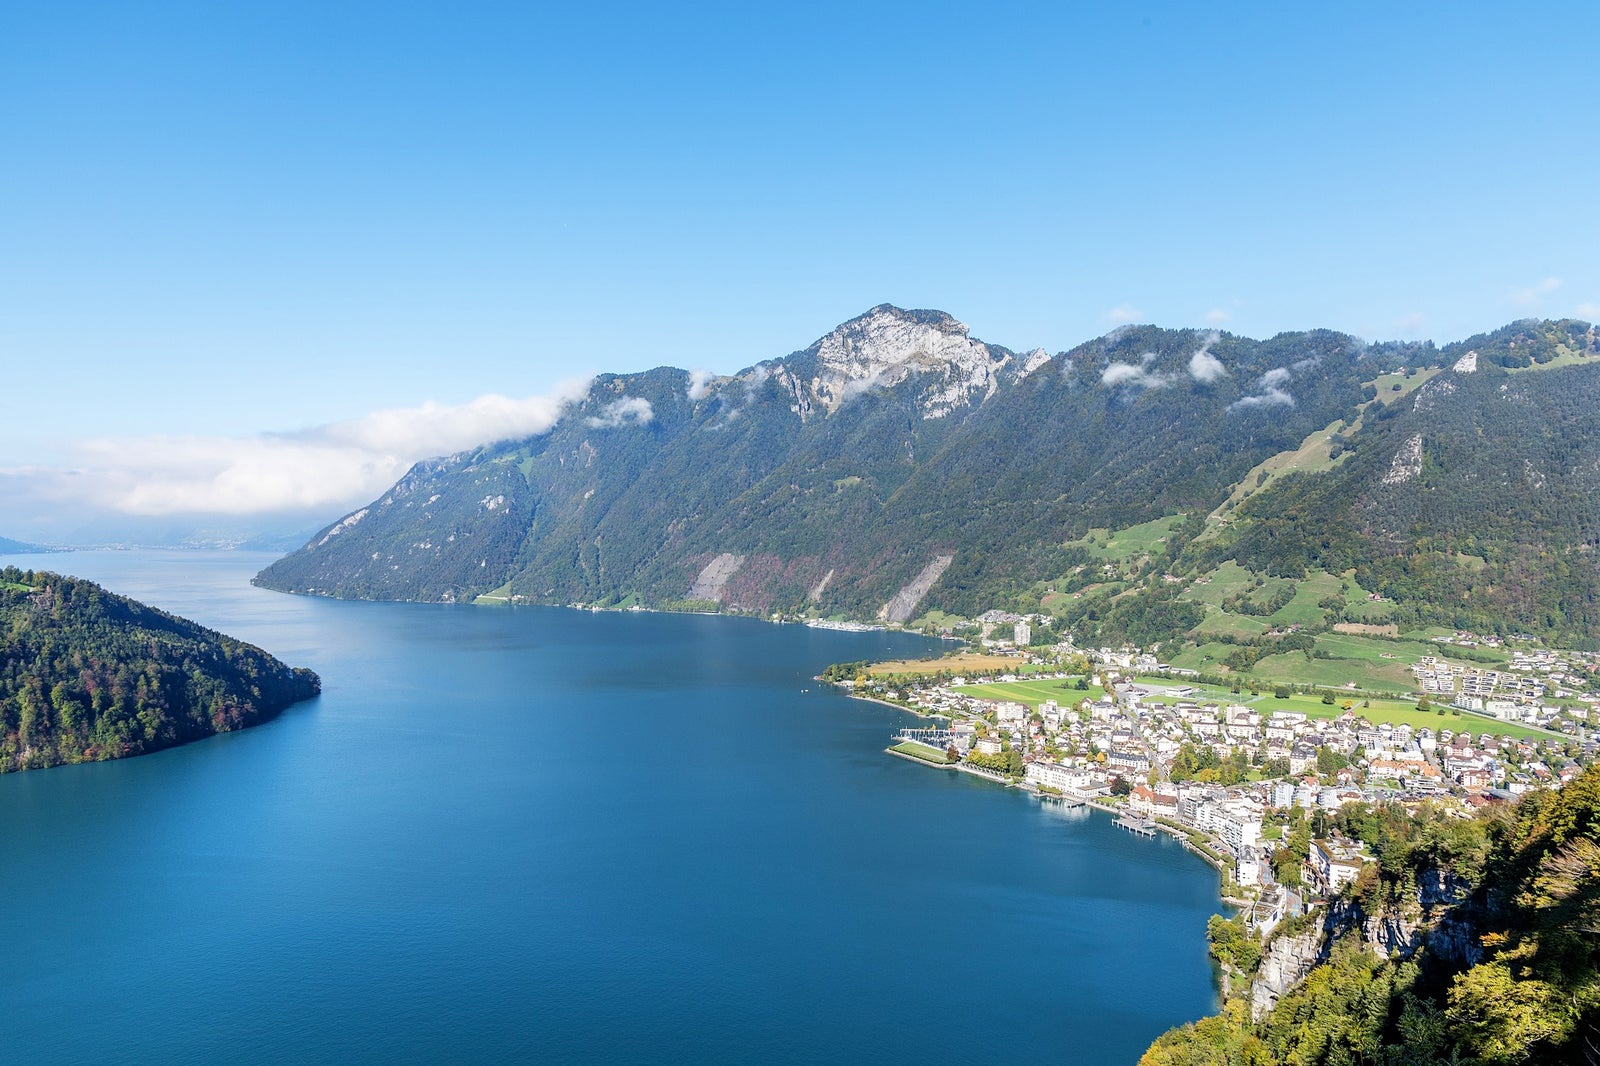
(539, 834)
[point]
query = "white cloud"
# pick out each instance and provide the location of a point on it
(436, 429)
(1589, 309)
(1124, 314)
(700, 384)
(1217, 316)
(1535, 294)
(323, 467)
(1205, 367)
(628, 410)
(1271, 391)
(1140, 376)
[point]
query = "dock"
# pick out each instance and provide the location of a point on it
(1144, 829)
(1059, 801)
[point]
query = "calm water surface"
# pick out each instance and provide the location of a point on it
(547, 835)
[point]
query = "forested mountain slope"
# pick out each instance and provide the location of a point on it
(1474, 503)
(87, 675)
(833, 477)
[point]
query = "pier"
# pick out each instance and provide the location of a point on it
(1144, 829)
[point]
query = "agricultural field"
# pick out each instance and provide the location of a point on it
(1033, 693)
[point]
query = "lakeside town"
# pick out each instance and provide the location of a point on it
(1249, 777)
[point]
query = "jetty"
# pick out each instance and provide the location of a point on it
(1133, 825)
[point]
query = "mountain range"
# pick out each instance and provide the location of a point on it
(902, 470)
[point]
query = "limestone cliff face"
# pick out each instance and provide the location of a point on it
(1426, 917)
(888, 346)
(1285, 963)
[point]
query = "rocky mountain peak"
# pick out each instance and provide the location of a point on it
(889, 345)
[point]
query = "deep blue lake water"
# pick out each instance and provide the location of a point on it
(544, 835)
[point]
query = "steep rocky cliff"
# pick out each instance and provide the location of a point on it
(1427, 916)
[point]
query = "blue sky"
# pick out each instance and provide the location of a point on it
(220, 225)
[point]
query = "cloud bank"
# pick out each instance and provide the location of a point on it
(328, 467)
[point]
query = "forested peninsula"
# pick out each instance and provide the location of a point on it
(88, 675)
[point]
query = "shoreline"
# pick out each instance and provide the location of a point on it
(1181, 835)
(886, 703)
(1178, 833)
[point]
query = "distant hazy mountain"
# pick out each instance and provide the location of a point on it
(253, 533)
(18, 547)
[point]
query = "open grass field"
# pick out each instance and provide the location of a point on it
(1303, 609)
(1378, 711)
(936, 619)
(1401, 712)
(1568, 357)
(1206, 657)
(1049, 601)
(921, 751)
(1374, 612)
(1367, 629)
(1123, 544)
(1409, 383)
(1033, 693)
(1229, 579)
(1405, 650)
(1220, 623)
(1374, 663)
(1295, 668)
